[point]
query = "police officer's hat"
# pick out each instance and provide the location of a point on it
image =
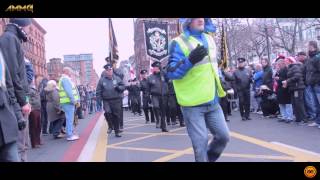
(107, 66)
(143, 71)
(241, 60)
(156, 64)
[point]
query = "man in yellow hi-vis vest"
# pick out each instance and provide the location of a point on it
(69, 98)
(193, 67)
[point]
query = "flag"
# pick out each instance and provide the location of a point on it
(113, 46)
(224, 49)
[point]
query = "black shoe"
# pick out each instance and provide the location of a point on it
(109, 131)
(248, 118)
(281, 120)
(165, 130)
(227, 120)
(174, 123)
(243, 118)
(182, 125)
(120, 130)
(152, 121)
(118, 134)
(169, 123)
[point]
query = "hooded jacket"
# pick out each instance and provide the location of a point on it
(179, 64)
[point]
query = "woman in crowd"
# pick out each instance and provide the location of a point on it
(55, 114)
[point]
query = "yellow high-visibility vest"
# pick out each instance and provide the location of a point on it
(63, 95)
(199, 84)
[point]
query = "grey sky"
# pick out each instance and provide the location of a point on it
(86, 35)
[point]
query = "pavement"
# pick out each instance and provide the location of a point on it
(258, 140)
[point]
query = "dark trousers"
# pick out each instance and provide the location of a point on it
(44, 117)
(35, 127)
(136, 105)
(224, 105)
(172, 109)
(146, 100)
(121, 116)
(160, 107)
(57, 126)
(244, 103)
(146, 113)
(113, 110)
(179, 113)
(297, 99)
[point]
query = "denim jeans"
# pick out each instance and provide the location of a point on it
(69, 109)
(316, 90)
(311, 103)
(286, 111)
(200, 118)
(9, 153)
(56, 126)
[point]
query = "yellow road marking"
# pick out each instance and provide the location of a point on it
(173, 156)
(299, 155)
(188, 151)
(100, 153)
(143, 137)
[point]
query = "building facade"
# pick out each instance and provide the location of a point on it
(55, 67)
(34, 48)
(84, 64)
(141, 59)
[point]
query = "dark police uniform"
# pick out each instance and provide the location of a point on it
(120, 74)
(146, 99)
(243, 78)
(110, 90)
(159, 90)
(173, 106)
(135, 97)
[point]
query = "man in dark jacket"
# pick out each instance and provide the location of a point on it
(295, 83)
(135, 97)
(312, 73)
(267, 74)
(10, 44)
(225, 79)
(158, 90)
(110, 89)
(11, 119)
(243, 79)
(146, 99)
(44, 116)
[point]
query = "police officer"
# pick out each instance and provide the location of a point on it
(158, 89)
(243, 78)
(136, 97)
(129, 95)
(146, 99)
(110, 89)
(173, 106)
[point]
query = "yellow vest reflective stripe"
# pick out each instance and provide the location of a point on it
(63, 95)
(199, 84)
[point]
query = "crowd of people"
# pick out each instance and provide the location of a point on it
(33, 106)
(192, 89)
(287, 88)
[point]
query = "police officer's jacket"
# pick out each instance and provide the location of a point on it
(109, 89)
(144, 88)
(154, 85)
(242, 79)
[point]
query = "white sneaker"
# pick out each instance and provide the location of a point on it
(73, 137)
(313, 124)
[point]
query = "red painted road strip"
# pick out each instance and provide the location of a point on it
(73, 152)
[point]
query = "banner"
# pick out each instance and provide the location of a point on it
(156, 36)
